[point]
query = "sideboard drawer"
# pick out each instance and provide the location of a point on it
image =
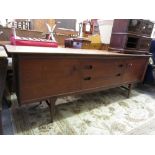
(101, 67)
(101, 72)
(91, 82)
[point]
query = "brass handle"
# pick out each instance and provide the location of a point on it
(87, 78)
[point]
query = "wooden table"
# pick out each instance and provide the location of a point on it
(46, 73)
(3, 71)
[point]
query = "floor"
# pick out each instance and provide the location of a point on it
(6, 120)
(106, 112)
(146, 129)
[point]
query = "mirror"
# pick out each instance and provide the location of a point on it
(88, 27)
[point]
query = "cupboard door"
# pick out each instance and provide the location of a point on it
(135, 69)
(46, 77)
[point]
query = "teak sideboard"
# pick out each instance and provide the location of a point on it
(46, 73)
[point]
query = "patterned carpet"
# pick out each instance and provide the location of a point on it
(106, 112)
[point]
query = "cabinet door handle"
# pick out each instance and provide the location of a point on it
(118, 74)
(88, 67)
(87, 78)
(121, 65)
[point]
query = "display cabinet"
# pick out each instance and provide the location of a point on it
(131, 35)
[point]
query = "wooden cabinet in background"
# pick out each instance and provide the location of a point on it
(135, 26)
(131, 35)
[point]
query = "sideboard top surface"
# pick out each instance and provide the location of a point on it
(2, 52)
(62, 51)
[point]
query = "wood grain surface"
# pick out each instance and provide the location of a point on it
(64, 51)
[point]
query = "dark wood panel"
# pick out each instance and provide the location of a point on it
(120, 25)
(135, 68)
(118, 41)
(45, 77)
(3, 71)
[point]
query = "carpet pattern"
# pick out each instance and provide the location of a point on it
(106, 112)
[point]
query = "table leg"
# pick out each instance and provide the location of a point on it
(129, 89)
(51, 104)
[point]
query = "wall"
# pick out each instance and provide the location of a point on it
(40, 24)
(5, 36)
(66, 23)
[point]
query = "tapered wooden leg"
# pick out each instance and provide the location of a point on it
(51, 104)
(129, 89)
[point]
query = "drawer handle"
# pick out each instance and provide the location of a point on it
(87, 78)
(88, 67)
(121, 65)
(118, 74)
